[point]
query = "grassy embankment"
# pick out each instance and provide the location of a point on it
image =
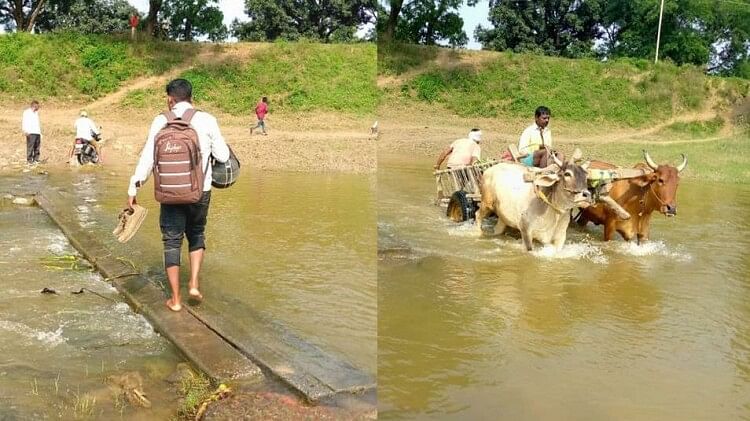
(297, 77)
(612, 110)
(75, 68)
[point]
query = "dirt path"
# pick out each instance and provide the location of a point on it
(425, 130)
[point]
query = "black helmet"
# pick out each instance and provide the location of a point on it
(224, 174)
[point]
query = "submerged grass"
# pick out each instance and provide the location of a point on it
(194, 389)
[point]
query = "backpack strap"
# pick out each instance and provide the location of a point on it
(169, 115)
(188, 115)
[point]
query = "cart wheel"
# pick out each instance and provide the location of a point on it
(460, 207)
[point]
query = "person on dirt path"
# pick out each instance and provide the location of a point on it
(462, 152)
(133, 22)
(178, 220)
(86, 129)
(536, 140)
(260, 111)
(32, 130)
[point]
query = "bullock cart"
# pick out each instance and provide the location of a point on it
(458, 189)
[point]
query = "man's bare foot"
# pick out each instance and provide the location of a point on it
(195, 294)
(172, 306)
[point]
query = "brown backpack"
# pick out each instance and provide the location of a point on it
(178, 173)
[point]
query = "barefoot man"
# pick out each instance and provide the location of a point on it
(176, 220)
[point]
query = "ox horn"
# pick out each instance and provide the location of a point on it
(683, 164)
(649, 161)
(556, 159)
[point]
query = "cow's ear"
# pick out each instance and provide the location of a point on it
(546, 180)
(645, 180)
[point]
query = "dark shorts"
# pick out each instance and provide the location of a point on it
(188, 220)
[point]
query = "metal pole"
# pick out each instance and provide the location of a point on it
(658, 32)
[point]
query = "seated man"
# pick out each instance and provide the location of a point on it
(85, 130)
(462, 152)
(536, 140)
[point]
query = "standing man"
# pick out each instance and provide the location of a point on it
(260, 111)
(462, 152)
(133, 24)
(536, 139)
(32, 129)
(188, 219)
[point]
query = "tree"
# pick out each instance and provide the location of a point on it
(322, 20)
(86, 16)
(554, 27)
(191, 18)
(428, 21)
(154, 6)
(390, 25)
(702, 32)
(20, 14)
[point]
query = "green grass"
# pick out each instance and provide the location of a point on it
(395, 58)
(295, 77)
(74, 66)
(632, 93)
(194, 389)
(693, 129)
(723, 160)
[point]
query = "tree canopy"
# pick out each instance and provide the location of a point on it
(710, 33)
(424, 22)
(188, 19)
(553, 27)
(86, 16)
(321, 20)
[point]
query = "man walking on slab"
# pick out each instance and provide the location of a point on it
(177, 150)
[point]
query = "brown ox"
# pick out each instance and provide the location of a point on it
(640, 196)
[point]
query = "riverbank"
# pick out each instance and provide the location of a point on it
(311, 141)
(426, 129)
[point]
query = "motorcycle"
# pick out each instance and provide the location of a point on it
(85, 151)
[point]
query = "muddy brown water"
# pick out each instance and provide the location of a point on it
(57, 350)
(474, 328)
(294, 250)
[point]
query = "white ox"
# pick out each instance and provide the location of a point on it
(540, 210)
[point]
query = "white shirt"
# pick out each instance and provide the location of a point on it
(84, 126)
(463, 150)
(531, 139)
(209, 136)
(30, 122)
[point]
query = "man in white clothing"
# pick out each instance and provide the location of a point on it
(187, 220)
(85, 130)
(462, 152)
(536, 140)
(32, 130)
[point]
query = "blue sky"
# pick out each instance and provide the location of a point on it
(472, 17)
